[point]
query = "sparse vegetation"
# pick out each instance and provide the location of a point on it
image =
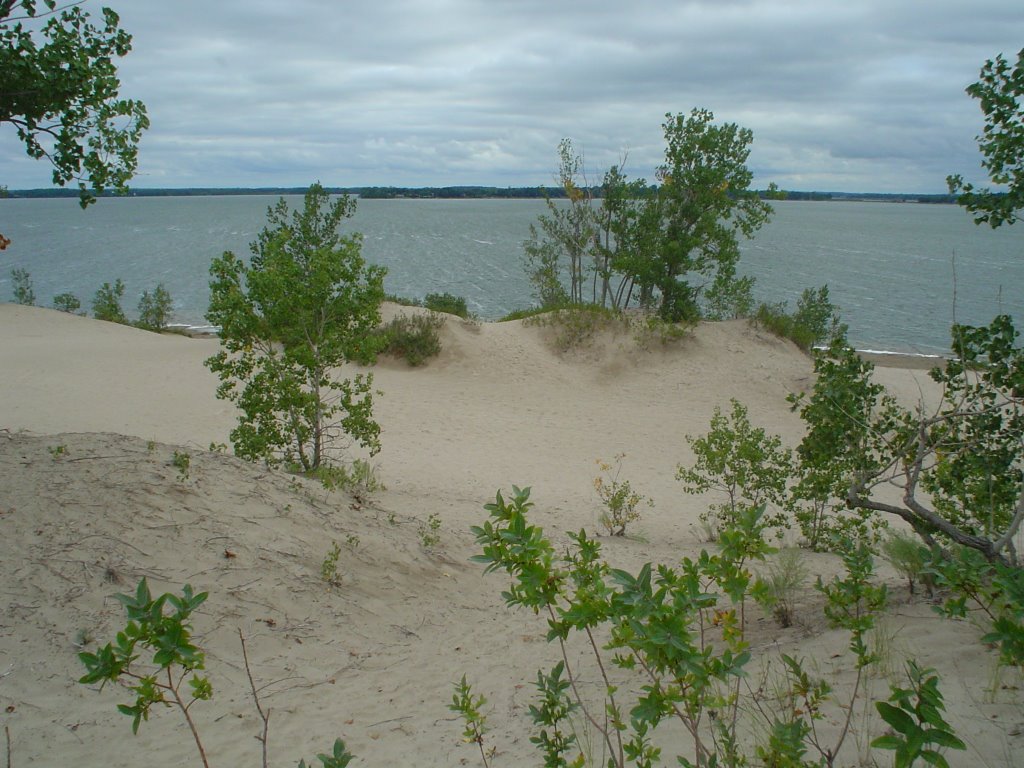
(329, 567)
(430, 531)
(182, 462)
(414, 338)
(620, 501)
(447, 303)
(784, 578)
(67, 302)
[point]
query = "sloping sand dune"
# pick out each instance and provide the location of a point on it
(91, 415)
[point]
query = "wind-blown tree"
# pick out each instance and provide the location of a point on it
(60, 91)
(306, 304)
(999, 91)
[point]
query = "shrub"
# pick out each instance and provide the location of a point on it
(742, 462)
(414, 338)
(909, 556)
(573, 327)
(106, 304)
(21, 286)
(67, 302)
(619, 498)
(783, 580)
(155, 309)
(523, 314)
(447, 303)
(815, 321)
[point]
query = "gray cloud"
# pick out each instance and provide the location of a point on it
(840, 95)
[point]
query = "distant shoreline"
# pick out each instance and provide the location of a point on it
(462, 193)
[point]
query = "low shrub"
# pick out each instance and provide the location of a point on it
(414, 338)
(447, 303)
(524, 314)
(67, 302)
(573, 327)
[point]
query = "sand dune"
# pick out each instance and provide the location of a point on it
(372, 659)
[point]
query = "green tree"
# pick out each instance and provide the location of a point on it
(705, 205)
(565, 234)
(957, 467)
(59, 89)
(106, 304)
(999, 92)
(155, 309)
(306, 304)
(22, 287)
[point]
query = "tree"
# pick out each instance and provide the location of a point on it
(673, 248)
(22, 287)
(705, 205)
(957, 467)
(155, 309)
(59, 89)
(106, 304)
(306, 304)
(1000, 91)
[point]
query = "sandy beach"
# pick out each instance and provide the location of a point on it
(92, 413)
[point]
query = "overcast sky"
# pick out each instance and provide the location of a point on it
(842, 95)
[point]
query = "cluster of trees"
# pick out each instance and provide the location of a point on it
(154, 309)
(673, 248)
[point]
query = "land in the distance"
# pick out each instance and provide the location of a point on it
(463, 192)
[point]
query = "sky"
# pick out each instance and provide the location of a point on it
(841, 95)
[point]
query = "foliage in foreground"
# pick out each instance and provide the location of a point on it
(999, 92)
(306, 304)
(162, 626)
(678, 638)
(61, 93)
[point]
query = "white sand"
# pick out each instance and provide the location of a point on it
(373, 659)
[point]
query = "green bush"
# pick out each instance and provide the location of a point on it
(574, 326)
(106, 304)
(815, 321)
(524, 314)
(414, 338)
(447, 303)
(67, 302)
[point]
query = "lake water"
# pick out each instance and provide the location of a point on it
(900, 273)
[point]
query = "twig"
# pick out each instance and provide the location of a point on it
(7, 733)
(264, 716)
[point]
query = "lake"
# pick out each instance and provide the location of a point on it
(901, 273)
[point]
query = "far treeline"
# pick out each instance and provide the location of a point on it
(470, 193)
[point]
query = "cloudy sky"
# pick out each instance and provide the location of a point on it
(842, 95)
